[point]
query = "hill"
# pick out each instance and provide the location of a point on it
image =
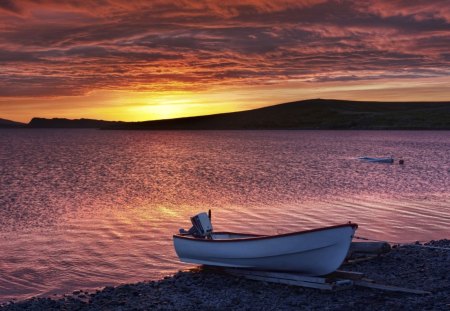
(69, 123)
(314, 114)
(10, 124)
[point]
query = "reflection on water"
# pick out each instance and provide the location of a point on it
(86, 209)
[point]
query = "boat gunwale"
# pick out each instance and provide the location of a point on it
(255, 237)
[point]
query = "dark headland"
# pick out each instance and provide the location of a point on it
(70, 123)
(10, 124)
(317, 114)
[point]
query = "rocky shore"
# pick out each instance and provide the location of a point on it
(425, 267)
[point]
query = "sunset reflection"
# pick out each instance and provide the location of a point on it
(108, 214)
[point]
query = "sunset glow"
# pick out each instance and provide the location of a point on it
(143, 60)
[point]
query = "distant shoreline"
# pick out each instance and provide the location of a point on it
(315, 114)
(232, 130)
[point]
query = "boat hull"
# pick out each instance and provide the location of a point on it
(313, 252)
(377, 160)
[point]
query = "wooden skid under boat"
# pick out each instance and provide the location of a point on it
(336, 281)
(313, 252)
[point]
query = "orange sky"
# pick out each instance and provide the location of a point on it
(142, 60)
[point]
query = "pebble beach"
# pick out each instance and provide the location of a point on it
(417, 266)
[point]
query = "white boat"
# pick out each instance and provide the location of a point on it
(312, 252)
(378, 160)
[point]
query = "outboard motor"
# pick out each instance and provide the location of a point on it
(201, 226)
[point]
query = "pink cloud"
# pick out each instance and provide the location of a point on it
(65, 48)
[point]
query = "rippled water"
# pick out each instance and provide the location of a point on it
(81, 209)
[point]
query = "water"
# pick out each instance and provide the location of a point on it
(83, 209)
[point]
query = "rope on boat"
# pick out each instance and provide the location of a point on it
(403, 244)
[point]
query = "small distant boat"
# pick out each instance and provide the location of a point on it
(378, 160)
(312, 252)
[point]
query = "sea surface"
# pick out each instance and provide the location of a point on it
(83, 209)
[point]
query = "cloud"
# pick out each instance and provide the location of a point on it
(17, 56)
(65, 48)
(10, 6)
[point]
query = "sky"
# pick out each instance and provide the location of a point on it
(143, 60)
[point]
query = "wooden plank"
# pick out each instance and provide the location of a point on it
(343, 284)
(281, 275)
(324, 286)
(337, 280)
(369, 248)
(351, 275)
(291, 279)
(371, 284)
(361, 259)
